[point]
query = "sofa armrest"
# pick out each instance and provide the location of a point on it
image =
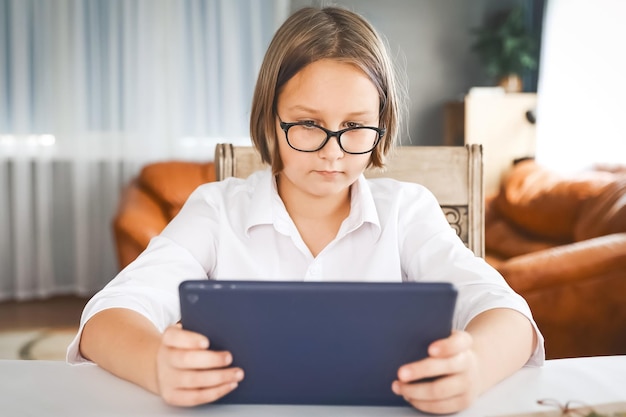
(564, 264)
(138, 219)
(151, 200)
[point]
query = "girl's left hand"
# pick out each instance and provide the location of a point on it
(453, 380)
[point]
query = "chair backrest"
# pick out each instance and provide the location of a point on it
(454, 174)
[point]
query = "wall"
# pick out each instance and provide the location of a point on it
(432, 38)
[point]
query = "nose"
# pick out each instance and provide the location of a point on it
(331, 149)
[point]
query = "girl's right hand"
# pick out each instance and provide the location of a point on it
(188, 373)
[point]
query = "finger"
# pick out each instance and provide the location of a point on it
(437, 390)
(192, 397)
(447, 406)
(457, 342)
(433, 367)
(175, 336)
(198, 359)
(195, 379)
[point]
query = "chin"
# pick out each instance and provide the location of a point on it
(329, 189)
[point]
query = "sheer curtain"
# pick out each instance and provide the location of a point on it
(582, 85)
(92, 90)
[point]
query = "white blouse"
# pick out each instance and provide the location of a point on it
(239, 229)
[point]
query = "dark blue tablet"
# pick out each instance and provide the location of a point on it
(318, 343)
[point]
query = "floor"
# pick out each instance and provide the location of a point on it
(62, 311)
(40, 329)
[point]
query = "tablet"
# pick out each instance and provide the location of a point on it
(315, 342)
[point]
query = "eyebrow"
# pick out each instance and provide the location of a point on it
(359, 113)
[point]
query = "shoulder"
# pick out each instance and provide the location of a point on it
(408, 203)
(229, 200)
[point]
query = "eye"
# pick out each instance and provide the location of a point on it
(307, 123)
(352, 124)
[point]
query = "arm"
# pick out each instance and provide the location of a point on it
(495, 344)
(175, 365)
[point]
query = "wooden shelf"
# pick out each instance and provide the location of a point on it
(499, 123)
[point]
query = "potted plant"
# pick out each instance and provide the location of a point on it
(506, 48)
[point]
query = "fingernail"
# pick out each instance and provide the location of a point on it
(228, 359)
(239, 375)
(395, 388)
(204, 343)
(404, 374)
(233, 385)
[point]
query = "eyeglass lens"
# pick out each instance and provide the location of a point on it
(309, 138)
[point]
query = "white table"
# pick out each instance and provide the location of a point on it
(36, 388)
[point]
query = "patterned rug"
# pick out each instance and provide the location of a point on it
(42, 344)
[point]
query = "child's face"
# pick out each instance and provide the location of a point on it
(334, 95)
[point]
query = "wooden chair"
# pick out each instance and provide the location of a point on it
(454, 174)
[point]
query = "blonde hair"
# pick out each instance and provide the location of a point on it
(311, 34)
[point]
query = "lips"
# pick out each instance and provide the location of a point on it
(328, 173)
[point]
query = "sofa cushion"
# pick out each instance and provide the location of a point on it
(604, 214)
(504, 241)
(547, 204)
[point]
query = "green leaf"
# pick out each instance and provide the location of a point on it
(504, 45)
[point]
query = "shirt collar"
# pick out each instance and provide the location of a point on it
(263, 195)
(266, 207)
(362, 208)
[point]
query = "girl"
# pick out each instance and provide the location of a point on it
(326, 106)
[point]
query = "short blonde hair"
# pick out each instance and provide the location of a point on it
(311, 34)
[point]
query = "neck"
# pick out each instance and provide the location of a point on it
(317, 218)
(300, 204)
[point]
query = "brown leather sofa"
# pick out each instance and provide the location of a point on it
(559, 242)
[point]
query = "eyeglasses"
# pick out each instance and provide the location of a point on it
(309, 137)
(580, 409)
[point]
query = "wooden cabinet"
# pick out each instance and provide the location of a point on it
(499, 123)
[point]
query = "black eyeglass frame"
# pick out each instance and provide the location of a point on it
(331, 133)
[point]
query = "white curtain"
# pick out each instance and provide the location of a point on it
(90, 91)
(582, 85)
